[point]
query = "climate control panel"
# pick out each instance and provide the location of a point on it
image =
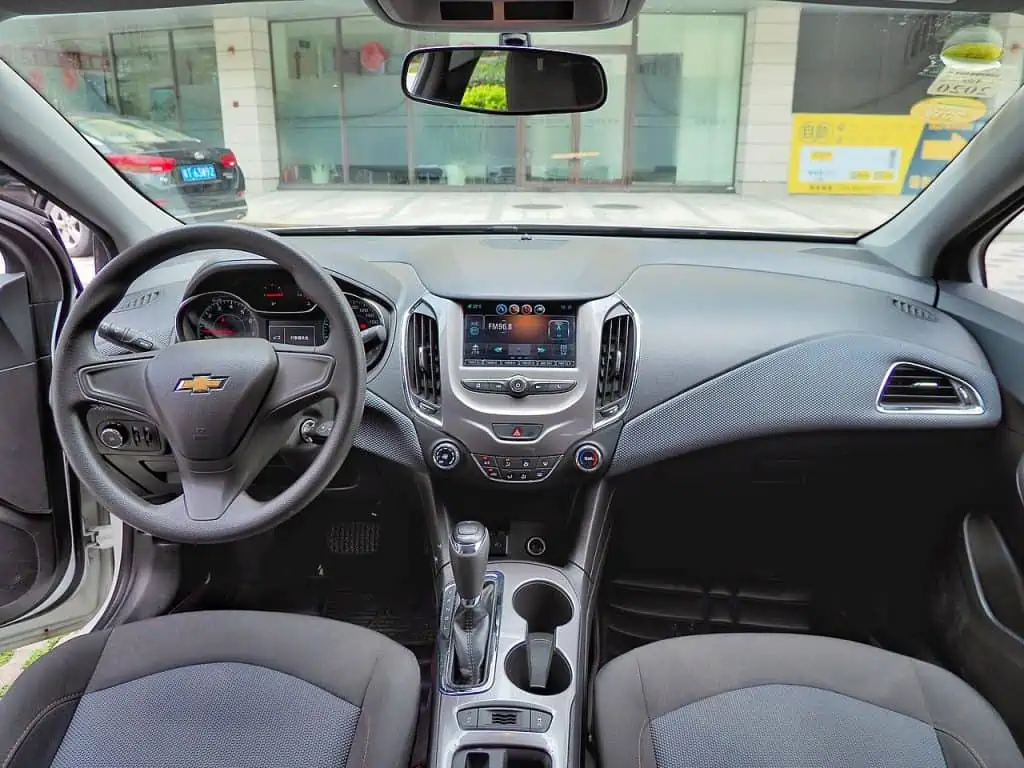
(516, 469)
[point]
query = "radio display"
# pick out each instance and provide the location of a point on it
(532, 334)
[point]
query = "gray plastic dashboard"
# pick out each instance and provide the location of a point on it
(737, 339)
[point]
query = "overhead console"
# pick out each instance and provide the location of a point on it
(514, 390)
(495, 15)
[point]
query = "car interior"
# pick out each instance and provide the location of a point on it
(727, 499)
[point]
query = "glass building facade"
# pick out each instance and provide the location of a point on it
(340, 117)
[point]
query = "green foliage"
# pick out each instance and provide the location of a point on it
(38, 653)
(487, 96)
(489, 70)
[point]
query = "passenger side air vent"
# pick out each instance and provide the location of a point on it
(423, 360)
(909, 387)
(914, 309)
(615, 367)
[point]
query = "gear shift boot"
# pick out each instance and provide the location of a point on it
(471, 633)
(474, 615)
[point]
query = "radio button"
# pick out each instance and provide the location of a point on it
(518, 385)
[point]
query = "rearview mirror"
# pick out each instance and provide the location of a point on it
(504, 80)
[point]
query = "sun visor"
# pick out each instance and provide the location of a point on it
(506, 15)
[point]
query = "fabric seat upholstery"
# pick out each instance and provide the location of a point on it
(790, 701)
(220, 689)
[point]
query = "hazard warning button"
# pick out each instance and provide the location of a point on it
(517, 431)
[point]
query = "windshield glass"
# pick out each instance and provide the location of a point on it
(728, 114)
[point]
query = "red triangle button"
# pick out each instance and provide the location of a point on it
(517, 432)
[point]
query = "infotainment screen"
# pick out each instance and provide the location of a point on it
(516, 333)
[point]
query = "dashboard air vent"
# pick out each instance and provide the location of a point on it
(615, 367)
(909, 387)
(424, 360)
(913, 309)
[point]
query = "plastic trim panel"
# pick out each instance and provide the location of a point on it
(825, 383)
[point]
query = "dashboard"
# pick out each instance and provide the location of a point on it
(529, 360)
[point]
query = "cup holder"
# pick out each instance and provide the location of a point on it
(537, 665)
(517, 670)
(543, 606)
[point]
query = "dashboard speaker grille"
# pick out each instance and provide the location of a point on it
(912, 387)
(914, 309)
(424, 358)
(615, 367)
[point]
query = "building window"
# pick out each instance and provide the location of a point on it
(686, 99)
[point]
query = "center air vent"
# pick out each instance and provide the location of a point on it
(909, 387)
(423, 360)
(615, 367)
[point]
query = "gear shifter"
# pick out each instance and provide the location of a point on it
(469, 546)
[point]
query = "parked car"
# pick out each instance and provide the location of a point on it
(190, 178)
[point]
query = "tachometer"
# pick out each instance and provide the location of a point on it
(366, 314)
(226, 317)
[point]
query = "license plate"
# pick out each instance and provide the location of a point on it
(198, 173)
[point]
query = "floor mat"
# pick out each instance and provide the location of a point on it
(370, 569)
(644, 608)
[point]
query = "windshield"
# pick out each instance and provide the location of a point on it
(724, 114)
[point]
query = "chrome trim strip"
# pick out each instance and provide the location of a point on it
(624, 402)
(413, 400)
(974, 405)
(446, 649)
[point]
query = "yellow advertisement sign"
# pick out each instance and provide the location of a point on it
(834, 154)
(956, 112)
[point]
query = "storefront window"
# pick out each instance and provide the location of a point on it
(195, 61)
(375, 111)
(686, 96)
(307, 94)
(460, 148)
(145, 77)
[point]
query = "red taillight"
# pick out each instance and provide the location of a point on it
(228, 159)
(142, 163)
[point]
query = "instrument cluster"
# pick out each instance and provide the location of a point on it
(262, 303)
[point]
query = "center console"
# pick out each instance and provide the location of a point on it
(523, 395)
(518, 391)
(511, 658)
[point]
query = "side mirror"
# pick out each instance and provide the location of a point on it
(505, 80)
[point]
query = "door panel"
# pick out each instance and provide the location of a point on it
(980, 603)
(42, 556)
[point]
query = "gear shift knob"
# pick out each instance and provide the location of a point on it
(469, 546)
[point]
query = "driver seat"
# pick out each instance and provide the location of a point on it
(218, 689)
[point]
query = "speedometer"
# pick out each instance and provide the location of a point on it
(227, 317)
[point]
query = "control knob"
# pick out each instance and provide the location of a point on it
(445, 455)
(114, 436)
(588, 458)
(517, 386)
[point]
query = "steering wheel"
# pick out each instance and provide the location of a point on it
(225, 406)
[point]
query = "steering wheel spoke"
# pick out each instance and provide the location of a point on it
(119, 382)
(208, 496)
(302, 378)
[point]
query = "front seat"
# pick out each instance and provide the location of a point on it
(790, 701)
(221, 689)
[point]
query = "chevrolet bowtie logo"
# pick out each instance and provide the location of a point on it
(200, 384)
